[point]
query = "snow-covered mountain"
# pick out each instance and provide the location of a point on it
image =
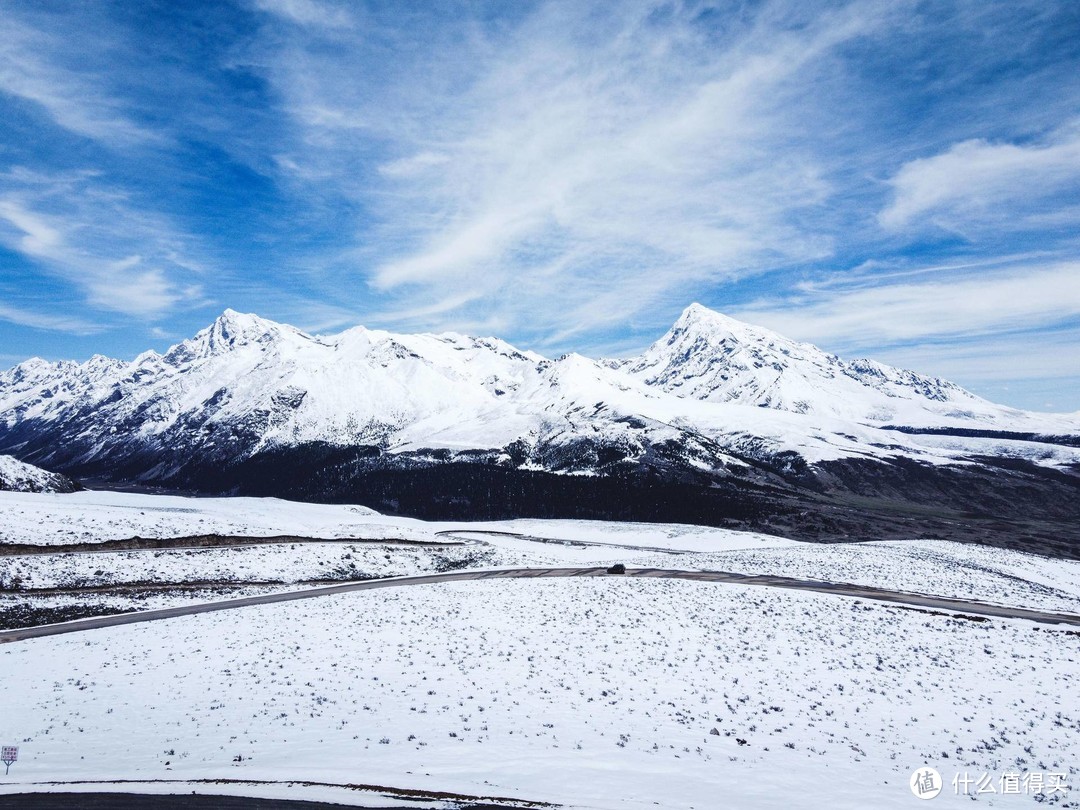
(709, 356)
(245, 379)
(714, 397)
(15, 476)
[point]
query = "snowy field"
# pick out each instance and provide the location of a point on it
(673, 536)
(271, 564)
(936, 568)
(93, 517)
(597, 693)
(592, 693)
(929, 567)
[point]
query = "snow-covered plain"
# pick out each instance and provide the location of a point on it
(674, 536)
(932, 567)
(281, 563)
(597, 693)
(592, 693)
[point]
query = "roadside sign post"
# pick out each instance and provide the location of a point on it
(8, 754)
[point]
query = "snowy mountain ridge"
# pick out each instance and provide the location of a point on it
(713, 394)
(710, 356)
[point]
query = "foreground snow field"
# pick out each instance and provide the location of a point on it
(592, 693)
(598, 693)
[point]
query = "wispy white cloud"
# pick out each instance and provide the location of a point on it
(1002, 358)
(413, 166)
(977, 183)
(1025, 369)
(1007, 332)
(572, 148)
(1015, 298)
(48, 321)
(122, 259)
(308, 13)
(317, 317)
(32, 68)
(630, 151)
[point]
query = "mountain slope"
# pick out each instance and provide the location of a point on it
(15, 476)
(244, 384)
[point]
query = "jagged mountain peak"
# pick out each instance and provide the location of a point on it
(50, 375)
(229, 331)
(233, 325)
(715, 327)
(100, 362)
(30, 368)
(696, 311)
(699, 314)
(710, 356)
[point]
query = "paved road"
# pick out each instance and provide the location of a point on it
(123, 795)
(940, 603)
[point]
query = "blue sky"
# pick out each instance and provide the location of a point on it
(895, 179)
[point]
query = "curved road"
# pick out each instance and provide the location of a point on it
(900, 598)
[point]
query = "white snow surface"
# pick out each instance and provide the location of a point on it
(96, 516)
(674, 536)
(590, 693)
(593, 693)
(272, 564)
